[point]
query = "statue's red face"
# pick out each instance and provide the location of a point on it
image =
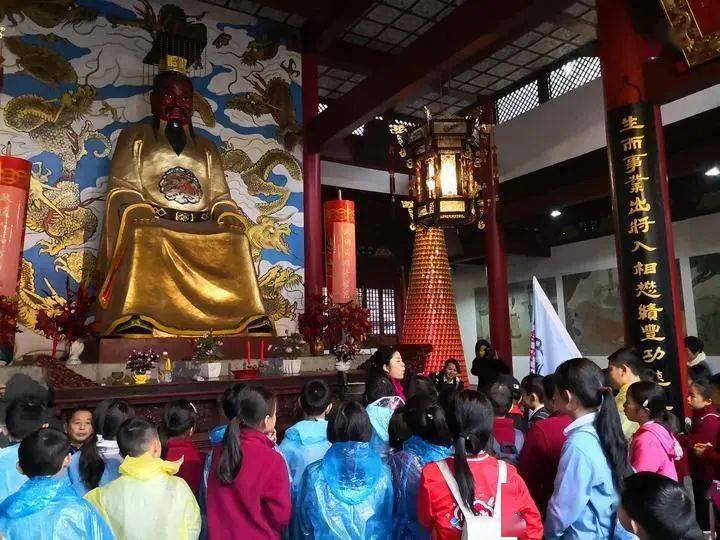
(173, 100)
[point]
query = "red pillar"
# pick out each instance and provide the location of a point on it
(312, 197)
(499, 308)
(623, 53)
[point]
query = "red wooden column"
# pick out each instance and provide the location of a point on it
(496, 258)
(641, 203)
(312, 197)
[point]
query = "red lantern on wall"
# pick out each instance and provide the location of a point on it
(340, 262)
(14, 190)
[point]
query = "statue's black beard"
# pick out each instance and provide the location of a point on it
(176, 136)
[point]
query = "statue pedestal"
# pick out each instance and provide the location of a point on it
(116, 350)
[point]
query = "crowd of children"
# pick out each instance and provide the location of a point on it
(427, 459)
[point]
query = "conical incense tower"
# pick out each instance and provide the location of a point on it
(430, 315)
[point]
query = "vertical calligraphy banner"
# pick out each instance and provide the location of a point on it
(340, 259)
(642, 247)
(14, 189)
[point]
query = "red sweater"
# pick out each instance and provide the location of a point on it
(438, 511)
(191, 469)
(705, 430)
(257, 505)
(540, 456)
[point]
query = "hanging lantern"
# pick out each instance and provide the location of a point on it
(445, 156)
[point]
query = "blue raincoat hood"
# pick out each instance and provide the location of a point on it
(37, 494)
(217, 434)
(351, 469)
(426, 452)
(308, 432)
(380, 419)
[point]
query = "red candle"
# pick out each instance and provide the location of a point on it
(248, 352)
(262, 350)
(14, 189)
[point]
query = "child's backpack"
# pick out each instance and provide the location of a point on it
(478, 527)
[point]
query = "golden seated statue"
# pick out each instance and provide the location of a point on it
(174, 256)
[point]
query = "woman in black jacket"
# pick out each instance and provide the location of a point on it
(486, 365)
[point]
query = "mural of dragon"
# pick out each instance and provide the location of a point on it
(48, 122)
(46, 13)
(58, 212)
(267, 232)
(271, 97)
(255, 174)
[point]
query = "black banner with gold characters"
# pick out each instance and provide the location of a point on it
(644, 261)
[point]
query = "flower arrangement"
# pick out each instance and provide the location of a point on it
(140, 362)
(8, 320)
(291, 346)
(67, 319)
(207, 348)
(343, 327)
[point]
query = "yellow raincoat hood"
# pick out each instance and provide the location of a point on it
(148, 501)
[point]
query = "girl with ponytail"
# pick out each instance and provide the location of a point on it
(654, 447)
(248, 489)
(430, 441)
(99, 458)
(473, 493)
(594, 462)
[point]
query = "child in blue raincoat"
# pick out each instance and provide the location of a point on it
(381, 403)
(306, 441)
(24, 416)
(46, 507)
(348, 495)
(430, 441)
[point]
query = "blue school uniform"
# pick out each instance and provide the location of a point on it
(303, 444)
(406, 466)
(110, 455)
(584, 502)
(47, 508)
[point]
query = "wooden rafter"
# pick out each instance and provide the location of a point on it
(469, 33)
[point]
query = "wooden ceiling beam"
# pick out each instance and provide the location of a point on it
(353, 58)
(472, 31)
(666, 83)
(332, 26)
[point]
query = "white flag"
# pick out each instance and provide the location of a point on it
(550, 343)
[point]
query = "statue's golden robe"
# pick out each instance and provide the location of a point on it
(173, 252)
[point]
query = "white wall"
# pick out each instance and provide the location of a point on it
(696, 236)
(349, 176)
(571, 125)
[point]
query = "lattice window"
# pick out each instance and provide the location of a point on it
(372, 302)
(518, 102)
(359, 131)
(322, 106)
(388, 311)
(573, 74)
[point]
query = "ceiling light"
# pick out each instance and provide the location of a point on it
(555, 213)
(713, 171)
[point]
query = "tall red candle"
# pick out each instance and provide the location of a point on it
(340, 266)
(262, 350)
(14, 189)
(248, 352)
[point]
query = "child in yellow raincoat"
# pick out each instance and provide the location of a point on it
(147, 500)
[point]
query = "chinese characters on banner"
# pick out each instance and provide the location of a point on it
(340, 260)
(644, 262)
